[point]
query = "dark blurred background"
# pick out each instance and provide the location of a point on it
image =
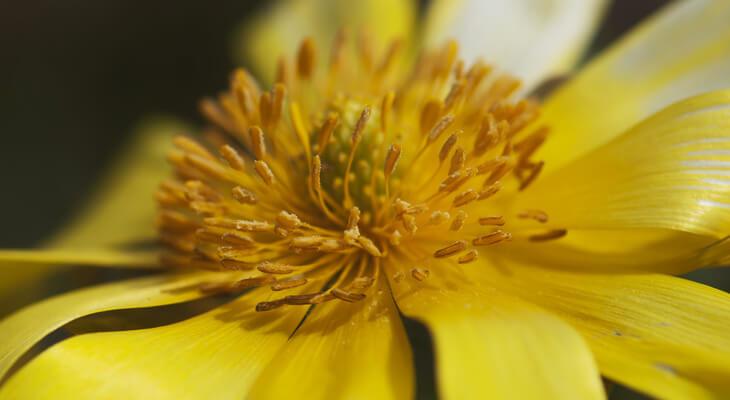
(77, 75)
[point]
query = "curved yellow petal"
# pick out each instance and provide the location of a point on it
(101, 257)
(662, 335)
(216, 355)
(533, 39)
(618, 250)
(672, 171)
(122, 209)
(26, 327)
(682, 51)
(279, 29)
(494, 346)
(343, 351)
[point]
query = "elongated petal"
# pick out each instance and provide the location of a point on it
(619, 250)
(493, 346)
(23, 329)
(534, 39)
(662, 335)
(122, 209)
(214, 355)
(96, 257)
(343, 351)
(279, 30)
(681, 52)
(671, 172)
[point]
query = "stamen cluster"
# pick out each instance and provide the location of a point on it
(311, 187)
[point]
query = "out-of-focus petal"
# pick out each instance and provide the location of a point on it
(533, 39)
(122, 208)
(278, 30)
(344, 351)
(100, 257)
(26, 327)
(494, 346)
(215, 355)
(682, 51)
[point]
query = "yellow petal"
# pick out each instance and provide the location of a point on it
(122, 209)
(681, 52)
(100, 257)
(343, 351)
(534, 39)
(493, 346)
(25, 328)
(638, 250)
(279, 29)
(662, 335)
(216, 355)
(669, 172)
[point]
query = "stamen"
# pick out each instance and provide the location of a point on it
(470, 256)
(420, 274)
(258, 145)
(193, 147)
(534, 172)
(271, 268)
(549, 235)
(305, 59)
(451, 249)
(288, 220)
(391, 160)
(354, 218)
(301, 299)
(262, 168)
(369, 246)
(494, 220)
(465, 197)
(269, 305)
(349, 297)
(440, 127)
(446, 148)
(438, 217)
(457, 160)
(537, 215)
(495, 237)
(243, 195)
(232, 157)
(240, 224)
(458, 221)
(326, 132)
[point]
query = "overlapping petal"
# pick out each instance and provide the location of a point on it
(669, 172)
(214, 355)
(682, 51)
(344, 351)
(533, 39)
(663, 335)
(492, 345)
(25, 328)
(120, 211)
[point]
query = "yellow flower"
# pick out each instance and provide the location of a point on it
(534, 241)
